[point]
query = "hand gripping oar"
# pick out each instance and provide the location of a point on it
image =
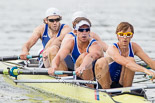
(5, 58)
(38, 71)
(144, 65)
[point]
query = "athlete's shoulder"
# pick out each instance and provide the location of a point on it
(40, 28)
(95, 36)
(67, 27)
(136, 47)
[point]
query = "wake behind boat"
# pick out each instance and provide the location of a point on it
(68, 87)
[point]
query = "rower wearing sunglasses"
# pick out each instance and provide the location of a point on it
(76, 18)
(83, 49)
(119, 67)
(51, 32)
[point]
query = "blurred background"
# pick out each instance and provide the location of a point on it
(18, 18)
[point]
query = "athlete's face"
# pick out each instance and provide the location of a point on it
(53, 22)
(83, 33)
(124, 39)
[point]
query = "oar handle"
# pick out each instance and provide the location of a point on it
(5, 58)
(34, 56)
(64, 72)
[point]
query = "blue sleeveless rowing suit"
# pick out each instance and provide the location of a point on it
(115, 68)
(69, 59)
(72, 34)
(75, 52)
(46, 38)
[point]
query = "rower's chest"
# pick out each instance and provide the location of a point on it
(81, 50)
(125, 54)
(52, 35)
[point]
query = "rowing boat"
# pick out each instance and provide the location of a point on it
(75, 91)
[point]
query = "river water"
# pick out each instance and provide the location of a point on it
(18, 18)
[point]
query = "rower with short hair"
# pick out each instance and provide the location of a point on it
(76, 18)
(51, 32)
(83, 49)
(119, 67)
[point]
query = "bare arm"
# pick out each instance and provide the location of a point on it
(142, 55)
(56, 41)
(62, 53)
(95, 52)
(37, 33)
(96, 37)
(128, 63)
(66, 29)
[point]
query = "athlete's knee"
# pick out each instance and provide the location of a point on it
(80, 59)
(100, 63)
(53, 50)
(83, 55)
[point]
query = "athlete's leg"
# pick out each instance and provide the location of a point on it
(87, 73)
(127, 76)
(52, 53)
(102, 72)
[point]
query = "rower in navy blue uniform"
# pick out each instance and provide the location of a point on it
(46, 37)
(83, 49)
(51, 32)
(117, 69)
(76, 18)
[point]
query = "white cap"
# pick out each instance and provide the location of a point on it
(78, 14)
(52, 11)
(82, 22)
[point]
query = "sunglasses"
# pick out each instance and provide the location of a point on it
(128, 34)
(82, 29)
(52, 20)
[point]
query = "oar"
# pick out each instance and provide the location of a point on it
(55, 81)
(5, 58)
(140, 73)
(128, 89)
(31, 71)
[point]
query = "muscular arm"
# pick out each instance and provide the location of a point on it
(66, 29)
(142, 55)
(96, 37)
(62, 53)
(95, 52)
(128, 63)
(37, 33)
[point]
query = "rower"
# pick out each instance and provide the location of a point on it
(119, 67)
(77, 16)
(83, 49)
(51, 32)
